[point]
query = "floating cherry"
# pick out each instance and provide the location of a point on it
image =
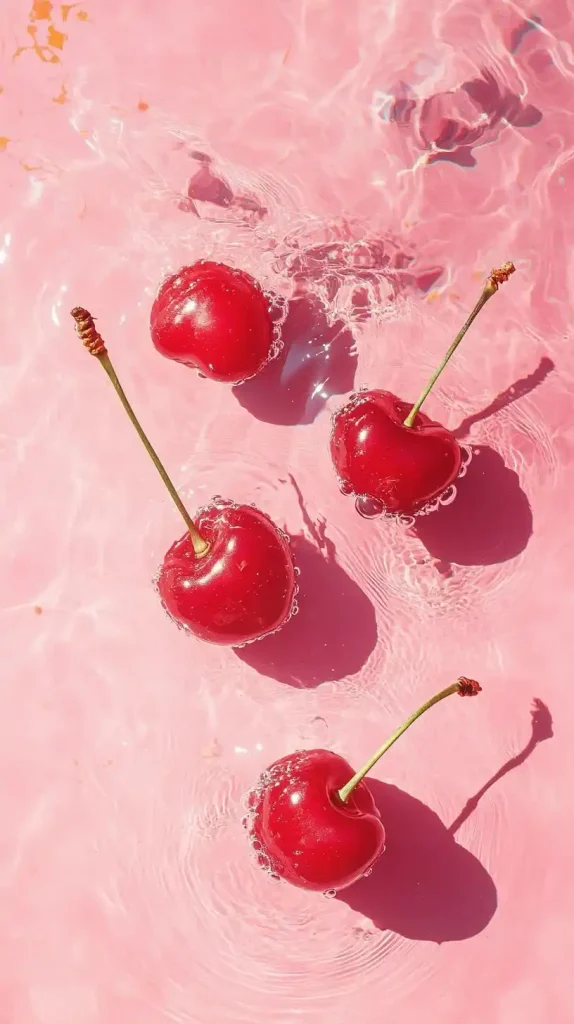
(230, 579)
(393, 454)
(214, 318)
(314, 823)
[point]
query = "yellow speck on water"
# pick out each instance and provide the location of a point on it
(433, 296)
(56, 38)
(3, 143)
(82, 15)
(62, 97)
(41, 10)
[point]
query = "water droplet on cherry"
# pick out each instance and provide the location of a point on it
(345, 487)
(369, 508)
(449, 495)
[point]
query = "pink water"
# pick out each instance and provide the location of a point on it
(375, 160)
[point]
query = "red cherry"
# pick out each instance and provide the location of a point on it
(314, 823)
(215, 319)
(304, 830)
(376, 455)
(242, 589)
(393, 457)
(230, 579)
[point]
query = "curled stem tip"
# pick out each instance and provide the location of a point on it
(468, 687)
(86, 328)
(501, 274)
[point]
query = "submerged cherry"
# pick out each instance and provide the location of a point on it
(230, 579)
(215, 319)
(390, 455)
(314, 823)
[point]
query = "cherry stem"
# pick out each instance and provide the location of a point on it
(496, 278)
(92, 340)
(463, 686)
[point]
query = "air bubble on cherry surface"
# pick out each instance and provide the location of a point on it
(367, 507)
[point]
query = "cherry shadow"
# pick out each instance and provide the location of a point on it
(489, 522)
(370, 267)
(526, 25)
(206, 185)
(334, 632)
(425, 886)
(450, 124)
(517, 390)
(500, 103)
(319, 356)
(541, 729)
(319, 359)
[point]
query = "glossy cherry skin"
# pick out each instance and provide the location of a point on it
(242, 589)
(374, 454)
(215, 319)
(304, 832)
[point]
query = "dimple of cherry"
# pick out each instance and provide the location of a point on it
(314, 822)
(214, 318)
(230, 579)
(391, 456)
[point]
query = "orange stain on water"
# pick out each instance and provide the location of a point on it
(41, 10)
(3, 143)
(56, 38)
(46, 55)
(62, 96)
(66, 9)
(142, 105)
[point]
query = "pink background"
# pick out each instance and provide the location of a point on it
(382, 157)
